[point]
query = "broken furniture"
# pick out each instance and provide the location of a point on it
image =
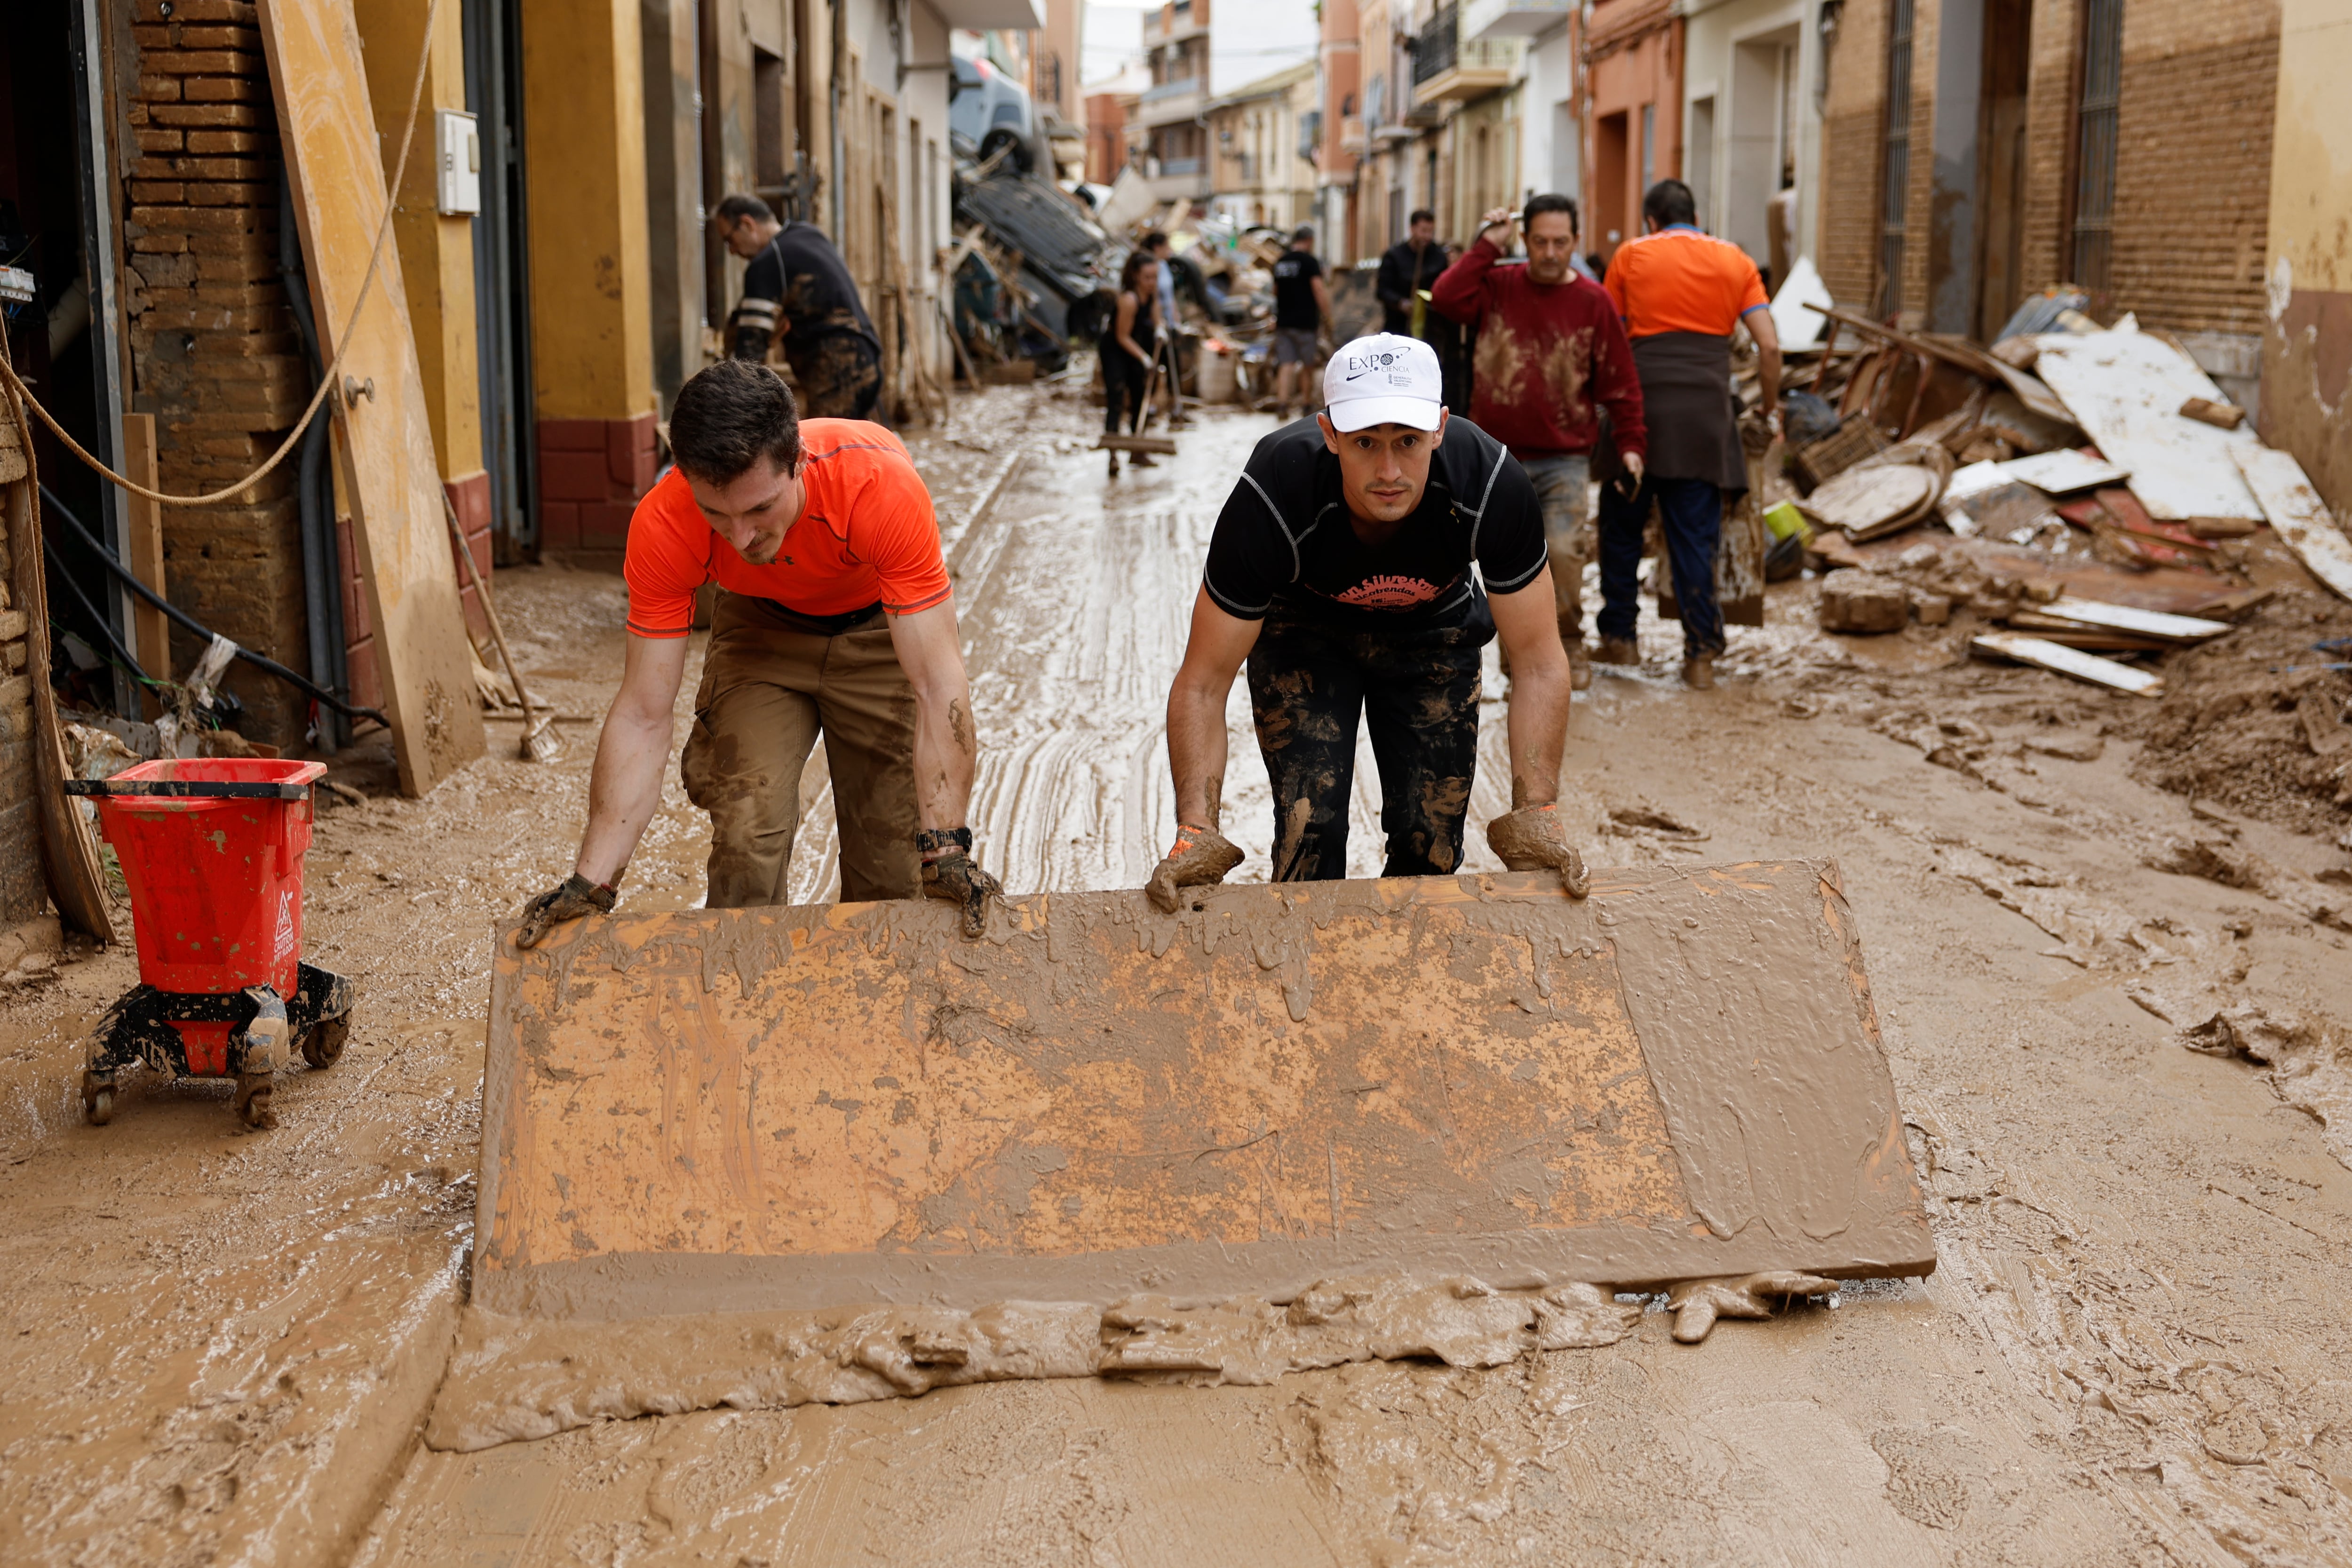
(212, 851)
(1678, 1078)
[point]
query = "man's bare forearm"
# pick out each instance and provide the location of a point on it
(624, 789)
(1537, 728)
(1196, 752)
(947, 751)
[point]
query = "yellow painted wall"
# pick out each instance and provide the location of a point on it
(437, 253)
(2311, 163)
(2306, 390)
(584, 182)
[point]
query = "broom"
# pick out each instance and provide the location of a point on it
(540, 743)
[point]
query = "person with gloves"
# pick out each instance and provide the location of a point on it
(1360, 565)
(834, 617)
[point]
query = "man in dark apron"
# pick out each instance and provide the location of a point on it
(1682, 293)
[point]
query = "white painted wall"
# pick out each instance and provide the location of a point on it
(1728, 64)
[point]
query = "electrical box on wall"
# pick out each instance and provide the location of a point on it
(457, 162)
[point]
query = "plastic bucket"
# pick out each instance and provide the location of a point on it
(214, 868)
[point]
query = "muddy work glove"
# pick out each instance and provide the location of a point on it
(1531, 839)
(1202, 856)
(574, 897)
(951, 874)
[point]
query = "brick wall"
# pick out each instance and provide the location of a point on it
(590, 473)
(215, 354)
(2192, 176)
(22, 891)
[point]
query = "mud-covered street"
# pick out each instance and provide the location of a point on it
(2085, 915)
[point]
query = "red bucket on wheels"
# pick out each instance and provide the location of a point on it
(215, 882)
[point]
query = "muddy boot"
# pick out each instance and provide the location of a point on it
(1142, 460)
(1114, 465)
(1619, 650)
(1580, 663)
(1698, 672)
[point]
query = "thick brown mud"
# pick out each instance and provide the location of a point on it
(221, 1348)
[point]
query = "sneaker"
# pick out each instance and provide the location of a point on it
(1698, 672)
(1619, 650)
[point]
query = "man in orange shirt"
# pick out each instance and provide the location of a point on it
(836, 617)
(1682, 293)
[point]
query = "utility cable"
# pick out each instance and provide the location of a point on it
(122, 655)
(265, 665)
(326, 380)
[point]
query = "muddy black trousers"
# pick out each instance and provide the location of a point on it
(1417, 689)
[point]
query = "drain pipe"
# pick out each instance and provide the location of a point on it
(323, 584)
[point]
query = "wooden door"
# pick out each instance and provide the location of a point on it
(392, 477)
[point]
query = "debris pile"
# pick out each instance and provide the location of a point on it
(2088, 492)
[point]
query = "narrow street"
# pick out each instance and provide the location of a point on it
(225, 1345)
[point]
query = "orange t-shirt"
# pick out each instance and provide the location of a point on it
(1680, 280)
(866, 536)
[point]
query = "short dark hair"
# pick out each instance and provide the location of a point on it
(1304, 231)
(728, 417)
(733, 210)
(1550, 201)
(1669, 202)
(1420, 215)
(1153, 240)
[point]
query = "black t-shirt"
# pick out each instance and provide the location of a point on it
(1294, 290)
(1285, 538)
(801, 271)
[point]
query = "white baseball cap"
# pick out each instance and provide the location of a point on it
(1385, 379)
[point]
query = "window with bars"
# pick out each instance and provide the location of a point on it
(1894, 158)
(2094, 143)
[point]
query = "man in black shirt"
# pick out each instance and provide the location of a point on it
(1302, 308)
(1342, 568)
(796, 284)
(1409, 267)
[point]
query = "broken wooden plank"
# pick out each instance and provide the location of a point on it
(2298, 515)
(335, 164)
(1163, 445)
(2047, 654)
(2139, 623)
(2064, 472)
(2124, 388)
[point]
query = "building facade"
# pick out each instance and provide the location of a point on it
(1262, 149)
(1976, 151)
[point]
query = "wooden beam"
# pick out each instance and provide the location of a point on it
(151, 631)
(334, 162)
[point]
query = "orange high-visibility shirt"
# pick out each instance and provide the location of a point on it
(1681, 280)
(868, 536)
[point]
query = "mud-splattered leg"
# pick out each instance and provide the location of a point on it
(755, 722)
(1305, 693)
(869, 712)
(1420, 702)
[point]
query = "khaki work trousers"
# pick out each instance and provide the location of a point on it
(768, 688)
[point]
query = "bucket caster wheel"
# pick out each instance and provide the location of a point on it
(323, 1045)
(252, 1102)
(97, 1097)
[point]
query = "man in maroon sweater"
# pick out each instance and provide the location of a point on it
(1551, 353)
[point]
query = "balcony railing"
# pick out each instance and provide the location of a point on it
(1433, 51)
(1168, 90)
(1447, 65)
(1171, 168)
